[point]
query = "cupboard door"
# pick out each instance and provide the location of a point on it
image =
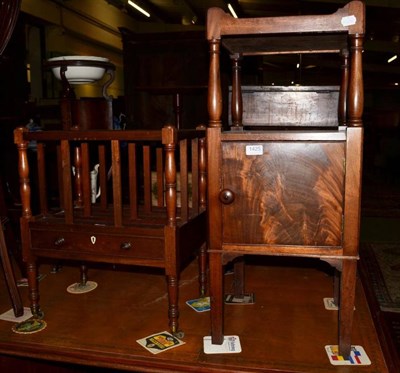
(285, 193)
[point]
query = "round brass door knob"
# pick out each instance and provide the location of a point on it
(226, 196)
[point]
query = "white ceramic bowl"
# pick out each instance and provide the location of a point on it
(80, 74)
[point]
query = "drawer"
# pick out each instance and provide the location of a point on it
(100, 244)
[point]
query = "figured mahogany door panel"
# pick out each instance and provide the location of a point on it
(285, 193)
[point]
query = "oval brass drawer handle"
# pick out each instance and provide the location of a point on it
(126, 246)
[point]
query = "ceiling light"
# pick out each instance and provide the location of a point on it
(391, 59)
(137, 7)
(230, 7)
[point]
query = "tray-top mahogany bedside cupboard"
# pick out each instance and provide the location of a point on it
(150, 212)
(286, 184)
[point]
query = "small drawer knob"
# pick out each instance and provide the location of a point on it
(126, 246)
(59, 241)
(226, 196)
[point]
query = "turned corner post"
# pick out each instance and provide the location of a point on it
(214, 85)
(236, 100)
(23, 171)
(356, 87)
(169, 140)
(344, 87)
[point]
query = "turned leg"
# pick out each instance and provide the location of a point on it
(9, 276)
(173, 311)
(336, 287)
(56, 267)
(33, 285)
(203, 270)
(346, 310)
(238, 277)
(216, 297)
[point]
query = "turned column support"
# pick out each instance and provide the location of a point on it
(203, 174)
(344, 87)
(23, 171)
(236, 100)
(356, 87)
(214, 85)
(169, 136)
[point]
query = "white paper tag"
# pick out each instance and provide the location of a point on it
(78, 288)
(330, 305)
(245, 299)
(348, 21)
(9, 315)
(160, 342)
(199, 304)
(357, 356)
(254, 150)
(230, 345)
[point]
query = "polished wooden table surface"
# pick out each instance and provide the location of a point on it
(284, 331)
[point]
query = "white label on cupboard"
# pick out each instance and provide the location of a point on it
(349, 21)
(254, 150)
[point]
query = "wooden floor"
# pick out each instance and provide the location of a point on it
(284, 331)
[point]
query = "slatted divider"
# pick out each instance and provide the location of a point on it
(202, 174)
(183, 170)
(59, 176)
(103, 176)
(77, 162)
(42, 184)
(147, 178)
(116, 178)
(133, 180)
(160, 176)
(86, 183)
(195, 176)
(67, 182)
(147, 158)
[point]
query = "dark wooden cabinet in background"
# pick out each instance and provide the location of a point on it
(165, 78)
